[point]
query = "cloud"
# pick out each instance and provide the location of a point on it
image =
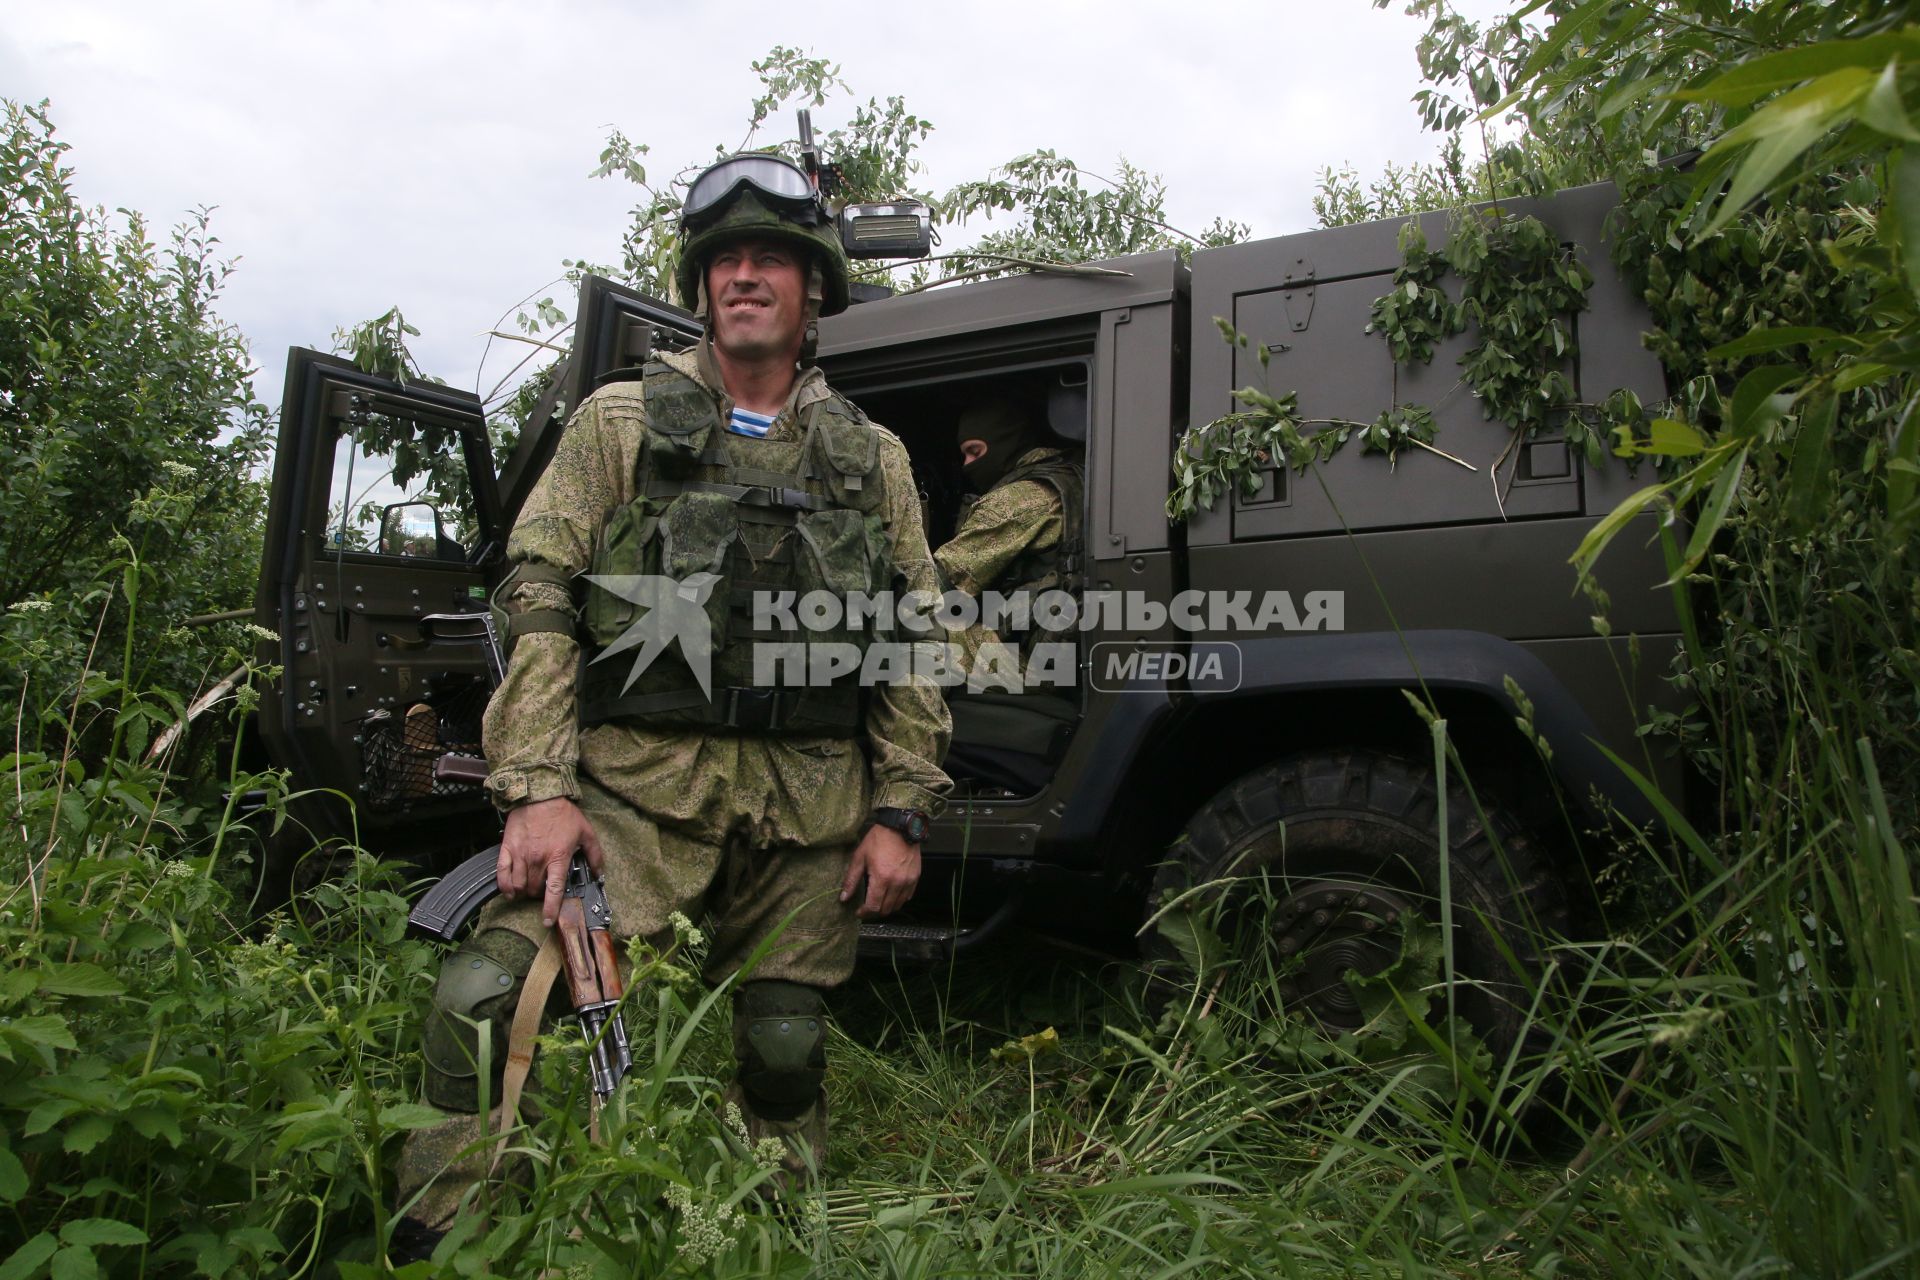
(435, 156)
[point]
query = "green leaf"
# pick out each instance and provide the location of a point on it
(1612, 523)
(1564, 30)
(1883, 109)
(1903, 212)
(75, 1262)
(410, 1115)
(1625, 96)
(1672, 438)
(1762, 341)
(80, 980)
(1903, 468)
(1863, 373)
(93, 1231)
(17, 984)
(1181, 924)
(170, 1075)
(13, 1176)
(1812, 453)
(1757, 401)
(1714, 513)
(105, 1187)
(1777, 135)
(48, 1113)
(156, 1122)
(73, 812)
(212, 1255)
(86, 1133)
(142, 935)
(257, 1241)
(313, 1128)
(1757, 77)
(29, 1257)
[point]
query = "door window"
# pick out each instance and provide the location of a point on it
(400, 487)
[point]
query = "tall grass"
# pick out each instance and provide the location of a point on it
(1725, 1086)
(1733, 1085)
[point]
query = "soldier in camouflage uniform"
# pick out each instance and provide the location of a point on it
(767, 808)
(1021, 532)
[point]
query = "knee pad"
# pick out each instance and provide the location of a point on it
(480, 983)
(780, 1043)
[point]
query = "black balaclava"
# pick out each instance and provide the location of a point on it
(1003, 425)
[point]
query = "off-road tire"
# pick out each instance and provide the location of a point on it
(1346, 843)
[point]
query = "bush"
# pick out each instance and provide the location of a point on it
(129, 441)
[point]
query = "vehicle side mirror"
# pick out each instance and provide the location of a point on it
(411, 529)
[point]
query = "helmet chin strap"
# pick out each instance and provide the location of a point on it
(816, 297)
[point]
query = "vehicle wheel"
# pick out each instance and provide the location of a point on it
(1323, 859)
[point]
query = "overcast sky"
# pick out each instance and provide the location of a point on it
(435, 155)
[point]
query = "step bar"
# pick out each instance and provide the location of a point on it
(887, 940)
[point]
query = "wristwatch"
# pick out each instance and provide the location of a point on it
(911, 823)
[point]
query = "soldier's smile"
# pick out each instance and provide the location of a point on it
(758, 292)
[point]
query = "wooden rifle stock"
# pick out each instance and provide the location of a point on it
(593, 974)
(583, 926)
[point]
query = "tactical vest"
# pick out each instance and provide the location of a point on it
(1061, 566)
(761, 516)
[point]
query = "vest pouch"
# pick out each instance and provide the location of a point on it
(697, 533)
(681, 418)
(629, 546)
(846, 454)
(841, 552)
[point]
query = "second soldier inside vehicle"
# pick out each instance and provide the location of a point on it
(1019, 534)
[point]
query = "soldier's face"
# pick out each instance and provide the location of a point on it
(757, 295)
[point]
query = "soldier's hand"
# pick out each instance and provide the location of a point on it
(891, 868)
(538, 847)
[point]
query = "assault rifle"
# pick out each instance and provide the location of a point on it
(586, 946)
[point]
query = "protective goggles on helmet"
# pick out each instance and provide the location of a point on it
(781, 185)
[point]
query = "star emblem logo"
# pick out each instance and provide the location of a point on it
(671, 610)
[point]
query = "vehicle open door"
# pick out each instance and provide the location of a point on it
(385, 534)
(383, 525)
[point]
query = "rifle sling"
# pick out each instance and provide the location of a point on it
(526, 1029)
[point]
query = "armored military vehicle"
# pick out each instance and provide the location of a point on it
(1292, 762)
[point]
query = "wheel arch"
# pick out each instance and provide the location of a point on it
(1306, 692)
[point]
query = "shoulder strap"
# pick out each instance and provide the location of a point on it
(1067, 478)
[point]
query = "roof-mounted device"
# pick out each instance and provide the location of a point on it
(895, 229)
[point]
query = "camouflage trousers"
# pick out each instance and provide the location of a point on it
(652, 871)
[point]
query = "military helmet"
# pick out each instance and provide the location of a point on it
(765, 196)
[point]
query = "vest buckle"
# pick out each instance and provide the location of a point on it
(754, 710)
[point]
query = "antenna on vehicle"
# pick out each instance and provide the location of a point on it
(821, 174)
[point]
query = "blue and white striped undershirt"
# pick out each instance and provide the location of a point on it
(746, 422)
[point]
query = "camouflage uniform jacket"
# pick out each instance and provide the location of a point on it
(786, 789)
(1008, 522)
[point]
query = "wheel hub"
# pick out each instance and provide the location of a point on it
(1327, 929)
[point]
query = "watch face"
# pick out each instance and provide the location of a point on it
(910, 823)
